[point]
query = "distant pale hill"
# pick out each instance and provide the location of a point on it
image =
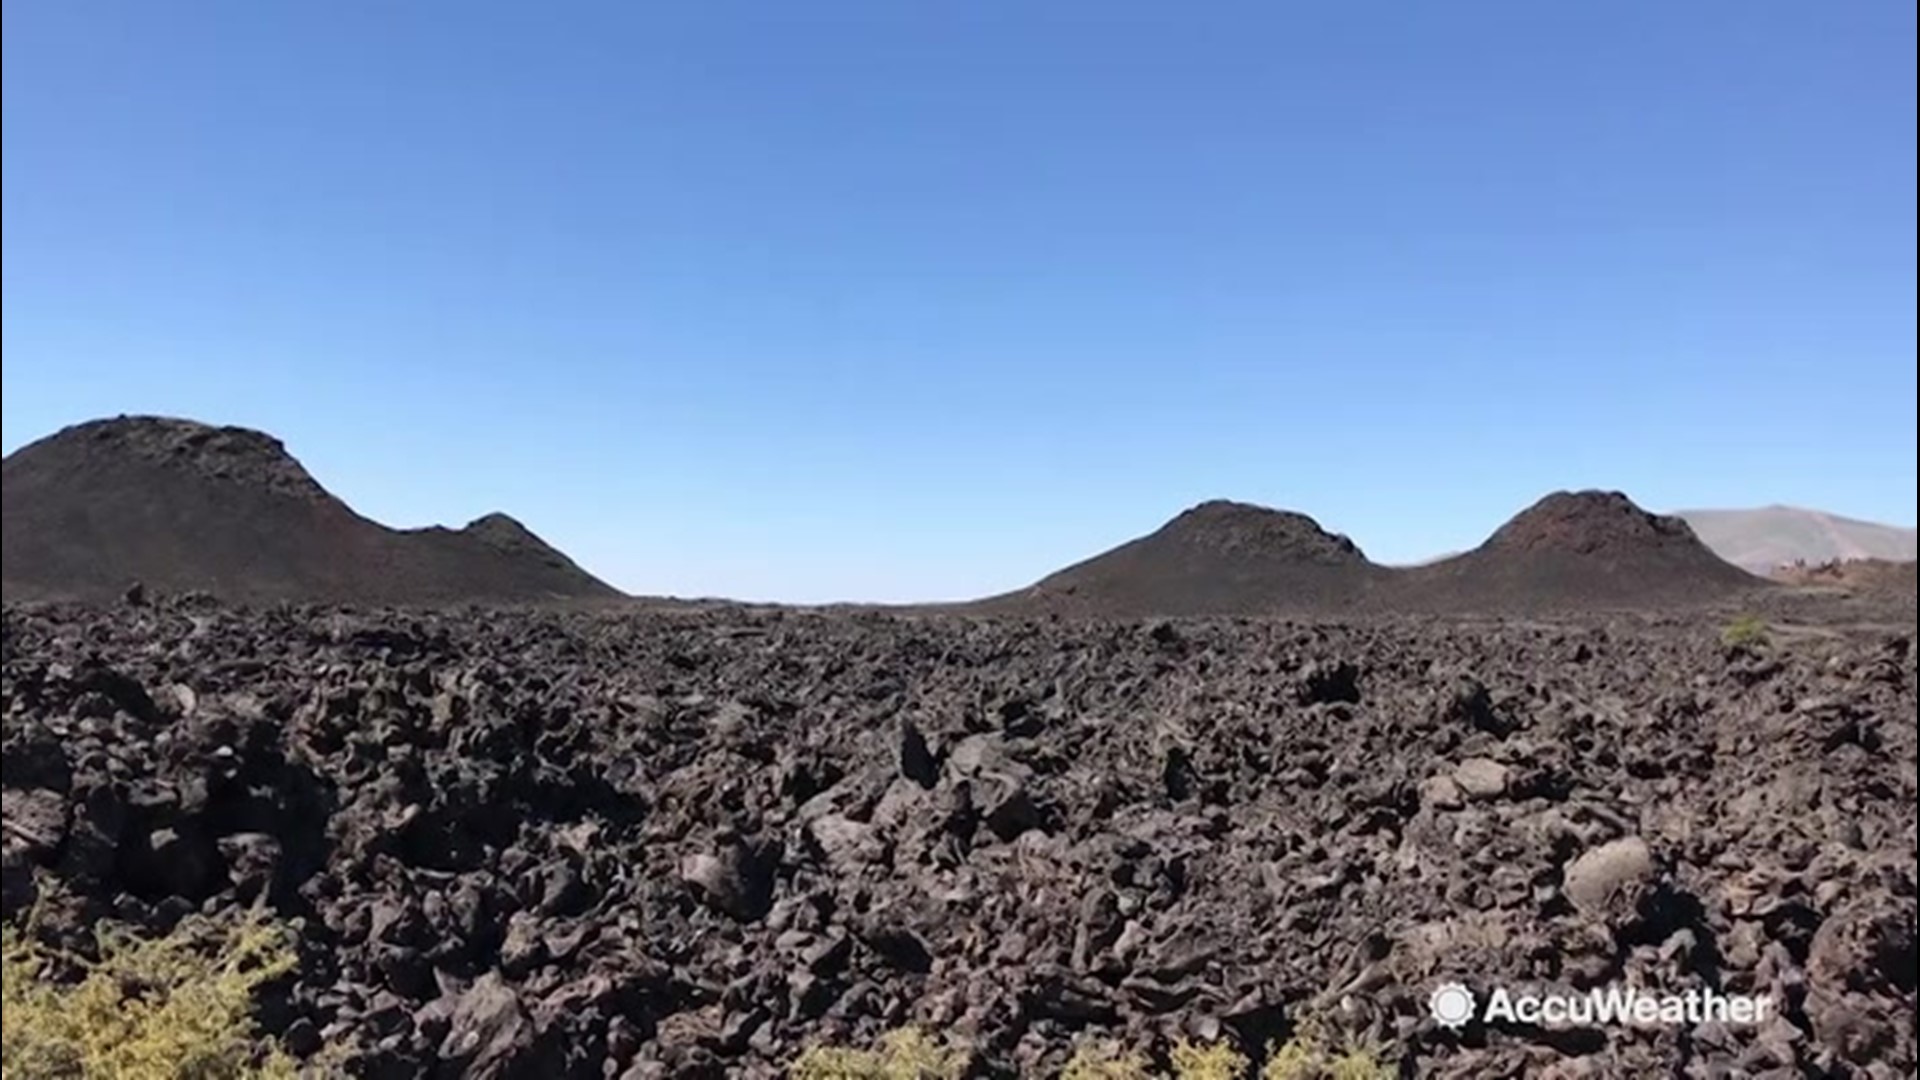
(1762, 539)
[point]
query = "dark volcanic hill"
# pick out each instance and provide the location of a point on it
(179, 505)
(1574, 550)
(1216, 558)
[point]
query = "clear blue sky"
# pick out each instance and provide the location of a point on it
(921, 300)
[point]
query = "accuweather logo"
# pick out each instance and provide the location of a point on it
(1453, 1005)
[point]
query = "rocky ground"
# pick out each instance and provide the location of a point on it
(659, 844)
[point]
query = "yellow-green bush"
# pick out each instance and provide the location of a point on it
(910, 1054)
(1306, 1056)
(1208, 1061)
(1105, 1060)
(177, 1007)
(1745, 632)
(906, 1054)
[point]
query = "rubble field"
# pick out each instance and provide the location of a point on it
(640, 843)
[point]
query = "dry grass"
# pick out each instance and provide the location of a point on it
(1208, 1061)
(177, 1007)
(1307, 1056)
(1105, 1060)
(909, 1054)
(906, 1054)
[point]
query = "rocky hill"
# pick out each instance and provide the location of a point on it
(1585, 549)
(1219, 557)
(182, 506)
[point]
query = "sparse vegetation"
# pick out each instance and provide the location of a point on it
(1106, 1060)
(1359, 1063)
(905, 1054)
(1745, 632)
(1296, 1059)
(910, 1054)
(177, 1007)
(678, 702)
(1208, 1061)
(1307, 1056)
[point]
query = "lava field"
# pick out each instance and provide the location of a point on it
(654, 843)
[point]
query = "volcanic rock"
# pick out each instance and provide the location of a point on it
(1481, 778)
(733, 879)
(597, 864)
(489, 1034)
(1611, 877)
(1442, 793)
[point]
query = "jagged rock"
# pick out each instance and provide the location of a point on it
(915, 759)
(1442, 793)
(731, 879)
(253, 861)
(1326, 683)
(1008, 809)
(847, 844)
(1470, 703)
(488, 1033)
(36, 822)
(687, 844)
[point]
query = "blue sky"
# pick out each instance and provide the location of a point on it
(917, 301)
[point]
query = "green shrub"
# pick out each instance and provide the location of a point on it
(1745, 632)
(177, 1007)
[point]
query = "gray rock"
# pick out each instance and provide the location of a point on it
(36, 821)
(846, 844)
(1441, 793)
(1610, 877)
(1481, 778)
(732, 880)
(488, 1034)
(1007, 808)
